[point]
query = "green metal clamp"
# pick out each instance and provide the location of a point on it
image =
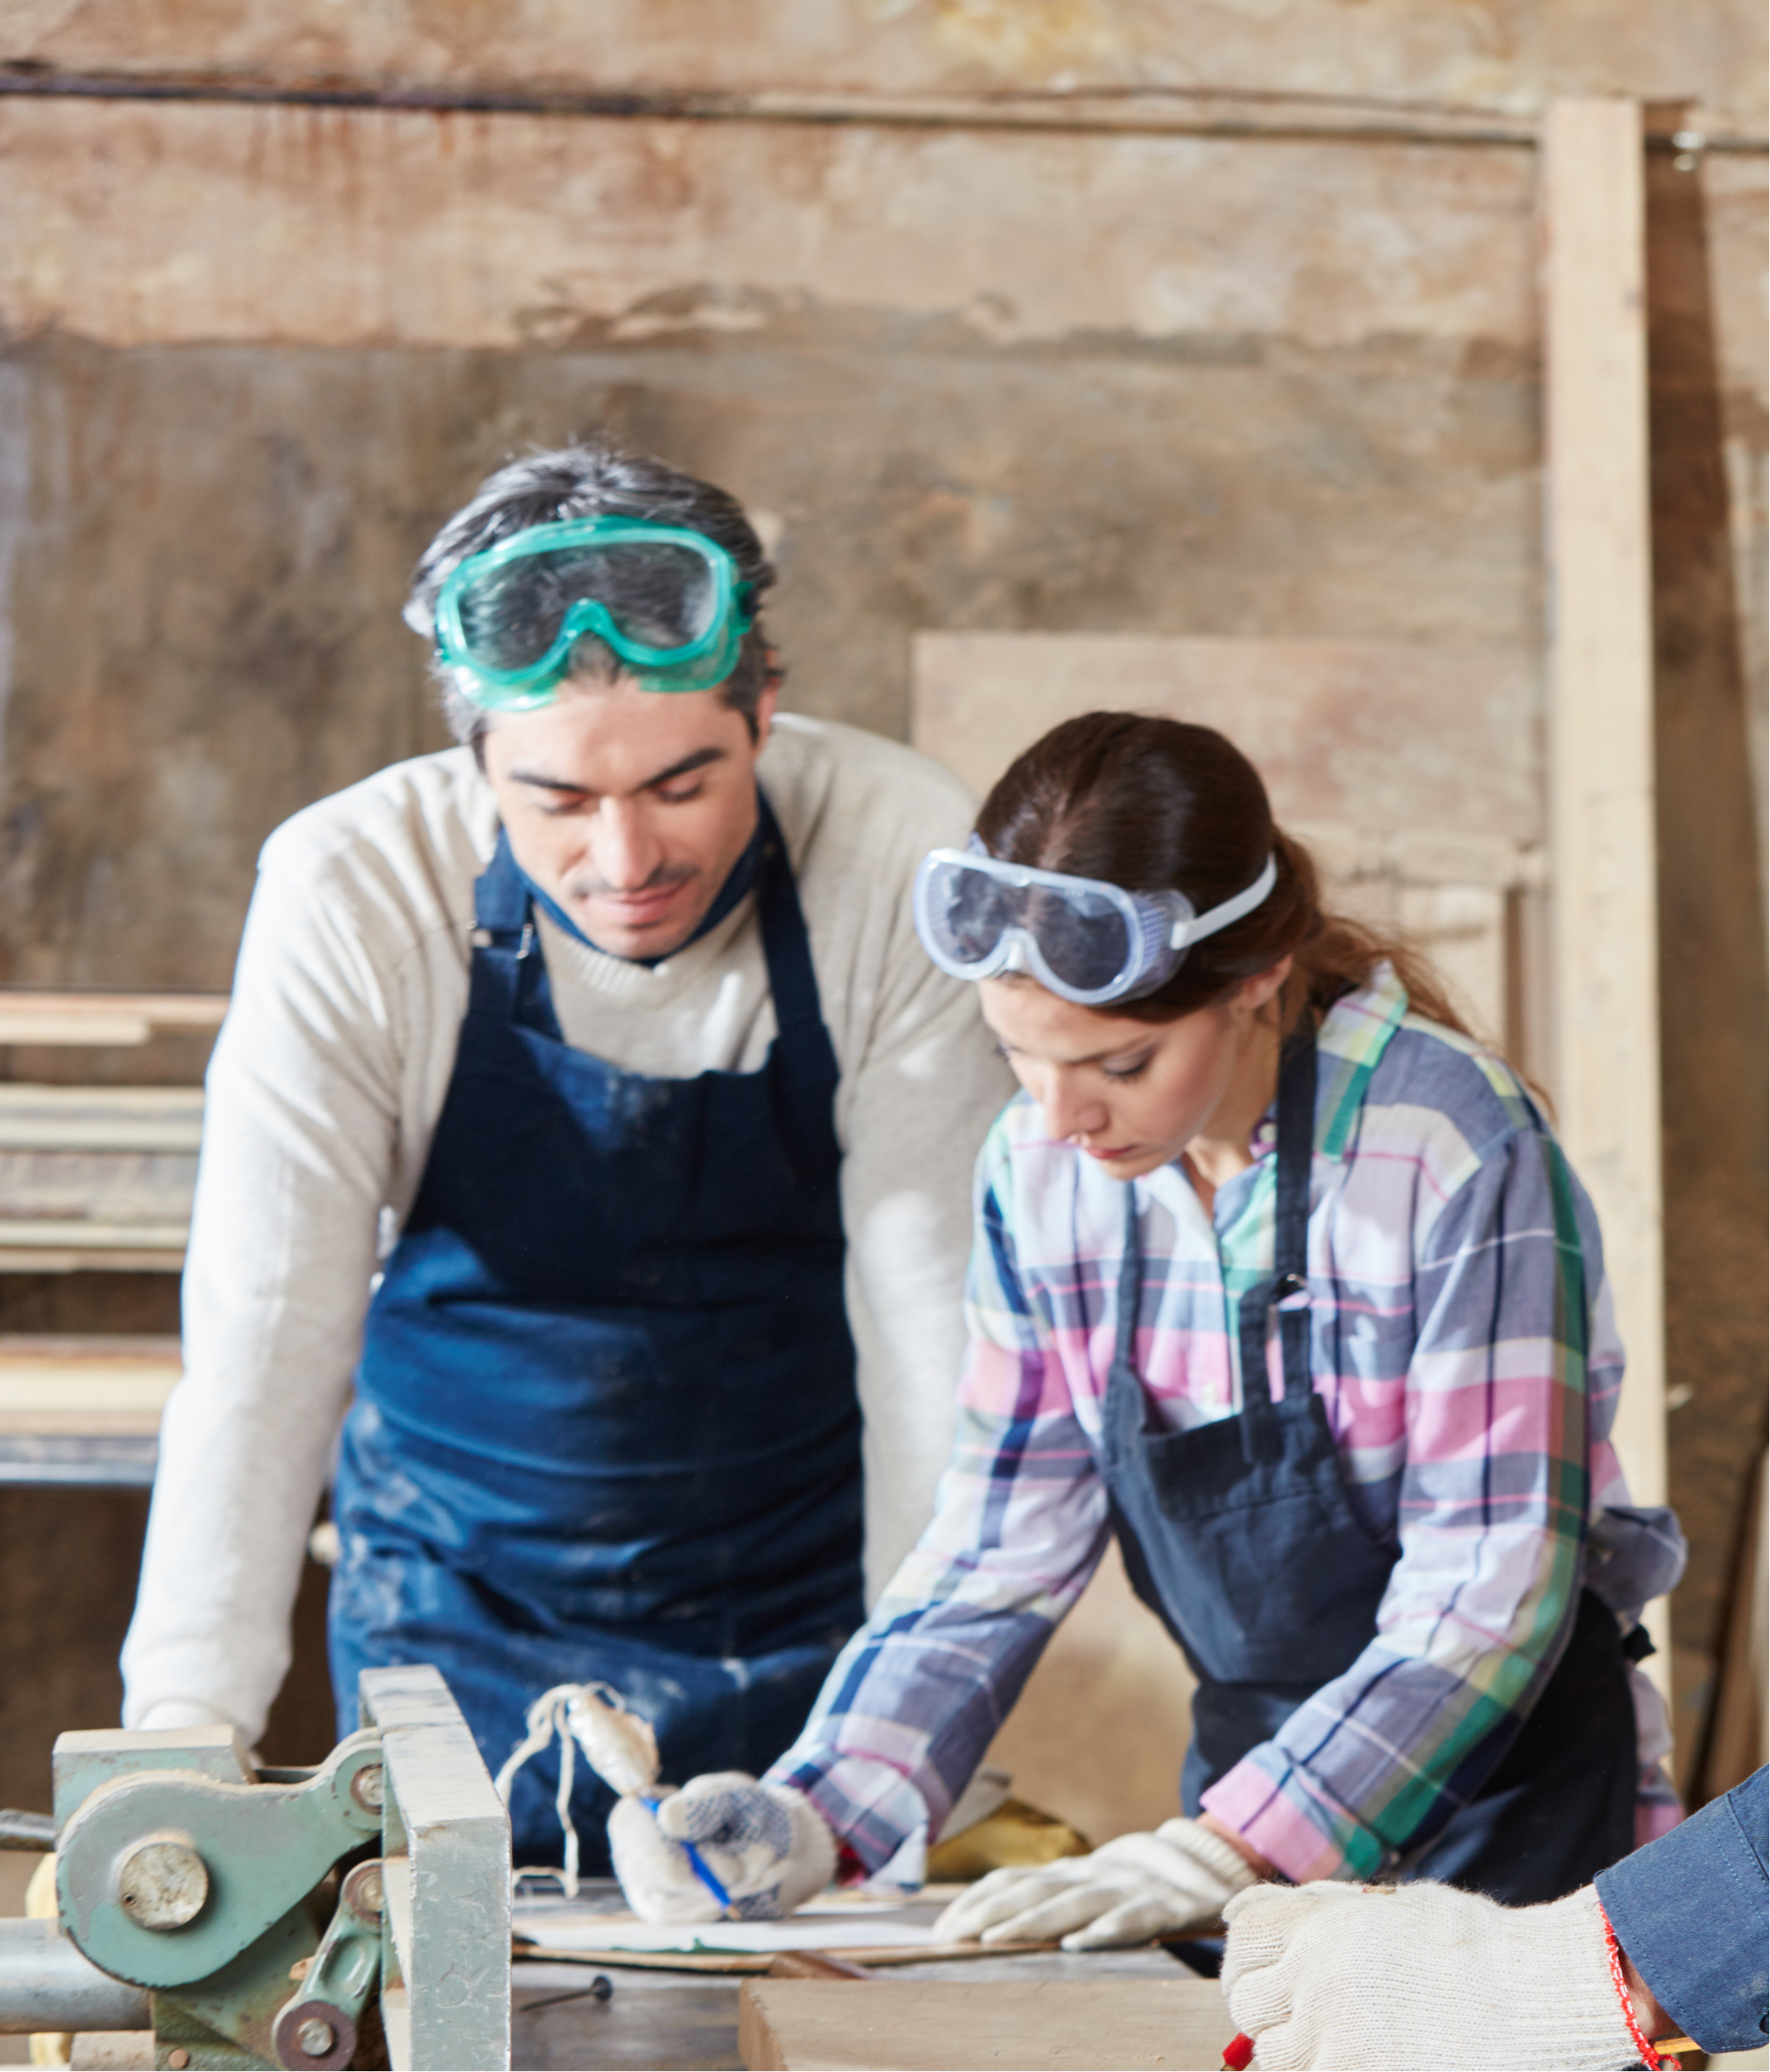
(184, 1868)
(180, 1869)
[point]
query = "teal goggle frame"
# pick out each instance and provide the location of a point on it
(696, 665)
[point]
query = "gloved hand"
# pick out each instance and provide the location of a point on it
(1129, 1891)
(770, 1848)
(182, 1712)
(1392, 1977)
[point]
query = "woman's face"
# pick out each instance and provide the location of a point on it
(1133, 1095)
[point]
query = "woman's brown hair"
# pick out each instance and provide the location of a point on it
(1149, 803)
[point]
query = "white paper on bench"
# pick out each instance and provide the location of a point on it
(556, 1927)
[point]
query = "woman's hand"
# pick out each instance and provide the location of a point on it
(768, 1848)
(1130, 1891)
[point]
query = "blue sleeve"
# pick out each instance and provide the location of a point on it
(1692, 1912)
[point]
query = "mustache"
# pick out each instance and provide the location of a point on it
(589, 885)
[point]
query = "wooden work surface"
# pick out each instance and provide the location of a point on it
(908, 2025)
(564, 2017)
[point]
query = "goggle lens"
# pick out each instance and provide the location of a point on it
(972, 914)
(1080, 934)
(658, 595)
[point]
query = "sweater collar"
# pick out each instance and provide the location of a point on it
(739, 881)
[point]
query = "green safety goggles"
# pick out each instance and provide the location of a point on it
(664, 600)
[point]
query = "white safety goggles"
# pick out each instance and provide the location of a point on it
(1080, 938)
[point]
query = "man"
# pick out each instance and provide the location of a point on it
(586, 1098)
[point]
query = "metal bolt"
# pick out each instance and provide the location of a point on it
(363, 1893)
(163, 1883)
(368, 1788)
(316, 2037)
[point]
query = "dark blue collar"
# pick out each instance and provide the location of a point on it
(742, 878)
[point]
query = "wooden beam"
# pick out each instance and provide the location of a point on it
(1598, 553)
(104, 1018)
(1050, 2023)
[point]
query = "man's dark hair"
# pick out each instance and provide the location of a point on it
(594, 479)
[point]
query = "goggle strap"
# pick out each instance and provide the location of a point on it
(1186, 933)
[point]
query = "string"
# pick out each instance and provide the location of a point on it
(1649, 2057)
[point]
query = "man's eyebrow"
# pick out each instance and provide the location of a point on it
(539, 780)
(699, 760)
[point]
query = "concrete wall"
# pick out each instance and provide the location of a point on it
(1501, 54)
(1093, 379)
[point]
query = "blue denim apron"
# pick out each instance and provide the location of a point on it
(606, 1424)
(1240, 1536)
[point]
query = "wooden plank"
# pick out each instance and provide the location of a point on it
(28, 1234)
(1737, 1741)
(104, 1018)
(145, 1197)
(85, 1386)
(77, 1258)
(1605, 924)
(784, 2025)
(96, 1178)
(100, 1118)
(70, 1352)
(741, 1962)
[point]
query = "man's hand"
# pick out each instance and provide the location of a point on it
(1133, 1889)
(769, 1848)
(1394, 1978)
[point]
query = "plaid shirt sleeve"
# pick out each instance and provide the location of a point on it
(1506, 1394)
(1020, 1525)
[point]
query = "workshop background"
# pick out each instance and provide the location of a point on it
(1213, 322)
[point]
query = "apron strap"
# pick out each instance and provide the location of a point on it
(1288, 1284)
(786, 946)
(802, 1061)
(510, 974)
(1130, 1286)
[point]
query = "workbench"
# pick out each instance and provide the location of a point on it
(674, 2021)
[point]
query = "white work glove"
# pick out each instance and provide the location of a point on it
(769, 1847)
(1394, 1978)
(1129, 1891)
(180, 1713)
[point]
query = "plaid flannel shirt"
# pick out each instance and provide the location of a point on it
(1463, 1342)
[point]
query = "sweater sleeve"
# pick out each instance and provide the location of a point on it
(921, 1083)
(1494, 1504)
(922, 1098)
(1020, 1527)
(301, 1116)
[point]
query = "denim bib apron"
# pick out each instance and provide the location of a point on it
(606, 1424)
(1239, 1535)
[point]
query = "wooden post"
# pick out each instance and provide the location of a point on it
(1606, 931)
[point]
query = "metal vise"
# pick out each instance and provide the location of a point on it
(270, 1917)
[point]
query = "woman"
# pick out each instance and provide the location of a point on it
(1281, 1276)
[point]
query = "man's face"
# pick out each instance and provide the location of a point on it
(628, 807)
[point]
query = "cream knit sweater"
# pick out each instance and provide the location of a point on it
(325, 1089)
